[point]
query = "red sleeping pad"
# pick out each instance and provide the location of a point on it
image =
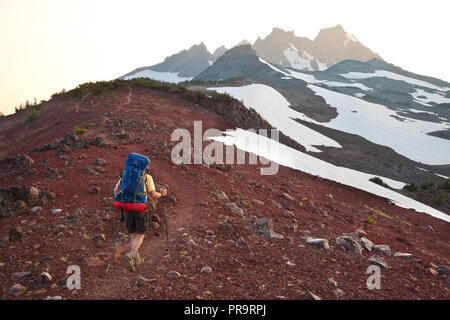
(130, 206)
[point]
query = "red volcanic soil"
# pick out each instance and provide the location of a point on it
(285, 268)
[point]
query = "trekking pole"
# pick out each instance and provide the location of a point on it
(114, 244)
(165, 222)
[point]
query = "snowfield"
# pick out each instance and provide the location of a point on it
(419, 95)
(393, 76)
(311, 79)
(296, 61)
(286, 156)
(273, 107)
(373, 122)
(377, 124)
(155, 75)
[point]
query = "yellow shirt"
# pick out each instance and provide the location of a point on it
(148, 187)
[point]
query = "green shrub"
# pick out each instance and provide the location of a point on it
(370, 220)
(80, 130)
(379, 181)
(410, 187)
(33, 113)
(427, 185)
(90, 125)
(221, 96)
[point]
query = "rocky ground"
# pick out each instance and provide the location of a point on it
(233, 234)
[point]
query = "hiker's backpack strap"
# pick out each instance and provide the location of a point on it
(138, 187)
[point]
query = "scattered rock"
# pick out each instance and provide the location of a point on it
(36, 210)
(433, 271)
(366, 244)
(243, 245)
(349, 243)
(206, 269)
(288, 214)
(41, 280)
(287, 196)
(53, 298)
(50, 173)
(293, 226)
(17, 290)
(338, 292)
(100, 162)
(210, 233)
(258, 202)
(429, 228)
(220, 195)
(382, 249)
(141, 281)
(377, 260)
(312, 296)
(277, 205)
(332, 282)
(99, 237)
(20, 275)
(94, 190)
(234, 208)
(99, 169)
(403, 255)
(264, 228)
(318, 242)
(190, 244)
(443, 270)
(172, 275)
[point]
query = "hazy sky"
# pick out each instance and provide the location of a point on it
(48, 45)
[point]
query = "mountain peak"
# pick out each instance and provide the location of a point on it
(219, 52)
(243, 43)
(240, 51)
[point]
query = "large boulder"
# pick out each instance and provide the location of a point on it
(264, 228)
(349, 243)
(382, 249)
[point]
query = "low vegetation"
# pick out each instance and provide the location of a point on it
(33, 112)
(411, 187)
(379, 181)
(370, 220)
(77, 130)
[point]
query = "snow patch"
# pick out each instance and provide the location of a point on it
(349, 37)
(273, 107)
(376, 123)
(311, 79)
(429, 97)
(155, 75)
(440, 175)
(296, 61)
(289, 157)
(393, 76)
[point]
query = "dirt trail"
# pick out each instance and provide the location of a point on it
(154, 249)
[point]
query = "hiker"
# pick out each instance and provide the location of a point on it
(137, 219)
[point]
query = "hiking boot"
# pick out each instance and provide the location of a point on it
(130, 264)
(136, 258)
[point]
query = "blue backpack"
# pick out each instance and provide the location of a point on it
(133, 180)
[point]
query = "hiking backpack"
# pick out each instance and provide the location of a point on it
(131, 195)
